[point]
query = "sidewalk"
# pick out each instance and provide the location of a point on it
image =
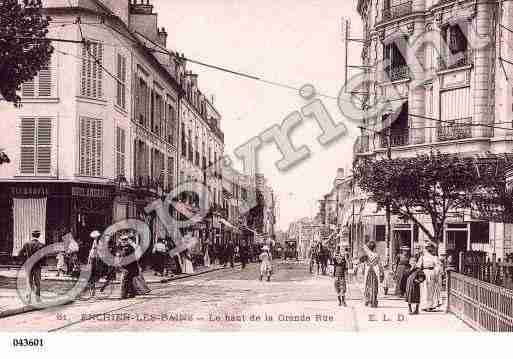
(11, 304)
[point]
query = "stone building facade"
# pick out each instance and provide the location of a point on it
(436, 64)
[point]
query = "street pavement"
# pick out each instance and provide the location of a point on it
(232, 300)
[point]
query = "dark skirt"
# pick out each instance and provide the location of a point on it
(412, 289)
(371, 289)
(401, 277)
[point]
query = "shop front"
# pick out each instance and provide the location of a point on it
(55, 209)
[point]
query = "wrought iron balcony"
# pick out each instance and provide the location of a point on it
(402, 137)
(451, 61)
(459, 130)
(395, 11)
(395, 73)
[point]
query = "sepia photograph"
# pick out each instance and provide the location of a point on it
(221, 166)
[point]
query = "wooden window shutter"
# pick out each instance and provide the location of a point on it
(28, 146)
(91, 147)
(120, 151)
(28, 88)
(44, 146)
(45, 81)
(92, 73)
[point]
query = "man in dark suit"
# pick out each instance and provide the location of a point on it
(33, 273)
(244, 254)
(229, 252)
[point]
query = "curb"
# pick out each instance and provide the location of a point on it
(30, 308)
(26, 309)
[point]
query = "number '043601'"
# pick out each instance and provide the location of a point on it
(26, 342)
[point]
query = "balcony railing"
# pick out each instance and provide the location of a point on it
(451, 61)
(402, 137)
(395, 11)
(398, 72)
(459, 130)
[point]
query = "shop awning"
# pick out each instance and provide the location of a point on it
(227, 224)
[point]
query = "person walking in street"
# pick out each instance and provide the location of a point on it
(33, 273)
(159, 255)
(339, 273)
(229, 253)
(61, 263)
(373, 274)
(243, 254)
(430, 288)
(402, 270)
(415, 277)
(187, 262)
(265, 263)
(94, 262)
(128, 248)
(206, 256)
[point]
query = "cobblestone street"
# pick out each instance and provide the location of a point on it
(234, 299)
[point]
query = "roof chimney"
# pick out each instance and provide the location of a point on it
(162, 34)
(139, 7)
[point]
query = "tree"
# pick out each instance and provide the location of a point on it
(21, 57)
(4, 158)
(435, 184)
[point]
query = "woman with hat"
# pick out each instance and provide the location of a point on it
(127, 249)
(266, 263)
(429, 289)
(402, 269)
(94, 262)
(374, 274)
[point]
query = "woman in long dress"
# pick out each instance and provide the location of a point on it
(373, 274)
(187, 262)
(430, 288)
(206, 257)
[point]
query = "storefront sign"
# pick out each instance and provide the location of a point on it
(89, 192)
(31, 191)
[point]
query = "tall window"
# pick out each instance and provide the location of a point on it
(91, 147)
(396, 67)
(40, 85)
(184, 143)
(170, 173)
(171, 122)
(142, 102)
(120, 151)
(92, 73)
(36, 146)
(121, 83)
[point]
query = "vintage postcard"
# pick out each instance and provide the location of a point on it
(255, 166)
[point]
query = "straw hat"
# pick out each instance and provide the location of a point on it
(95, 234)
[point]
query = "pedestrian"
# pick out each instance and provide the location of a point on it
(159, 255)
(34, 272)
(187, 262)
(206, 257)
(339, 273)
(265, 263)
(94, 262)
(415, 277)
(430, 288)
(373, 274)
(127, 250)
(61, 263)
(229, 253)
(402, 271)
(243, 254)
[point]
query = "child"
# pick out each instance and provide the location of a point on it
(266, 263)
(415, 277)
(60, 263)
(388, 279)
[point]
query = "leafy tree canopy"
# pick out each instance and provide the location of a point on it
(436, 184)
(21, 58)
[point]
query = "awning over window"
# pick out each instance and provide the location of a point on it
(227, 224)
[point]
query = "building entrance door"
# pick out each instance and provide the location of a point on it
(457, 242)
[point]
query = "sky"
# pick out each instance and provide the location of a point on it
(284, 41)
